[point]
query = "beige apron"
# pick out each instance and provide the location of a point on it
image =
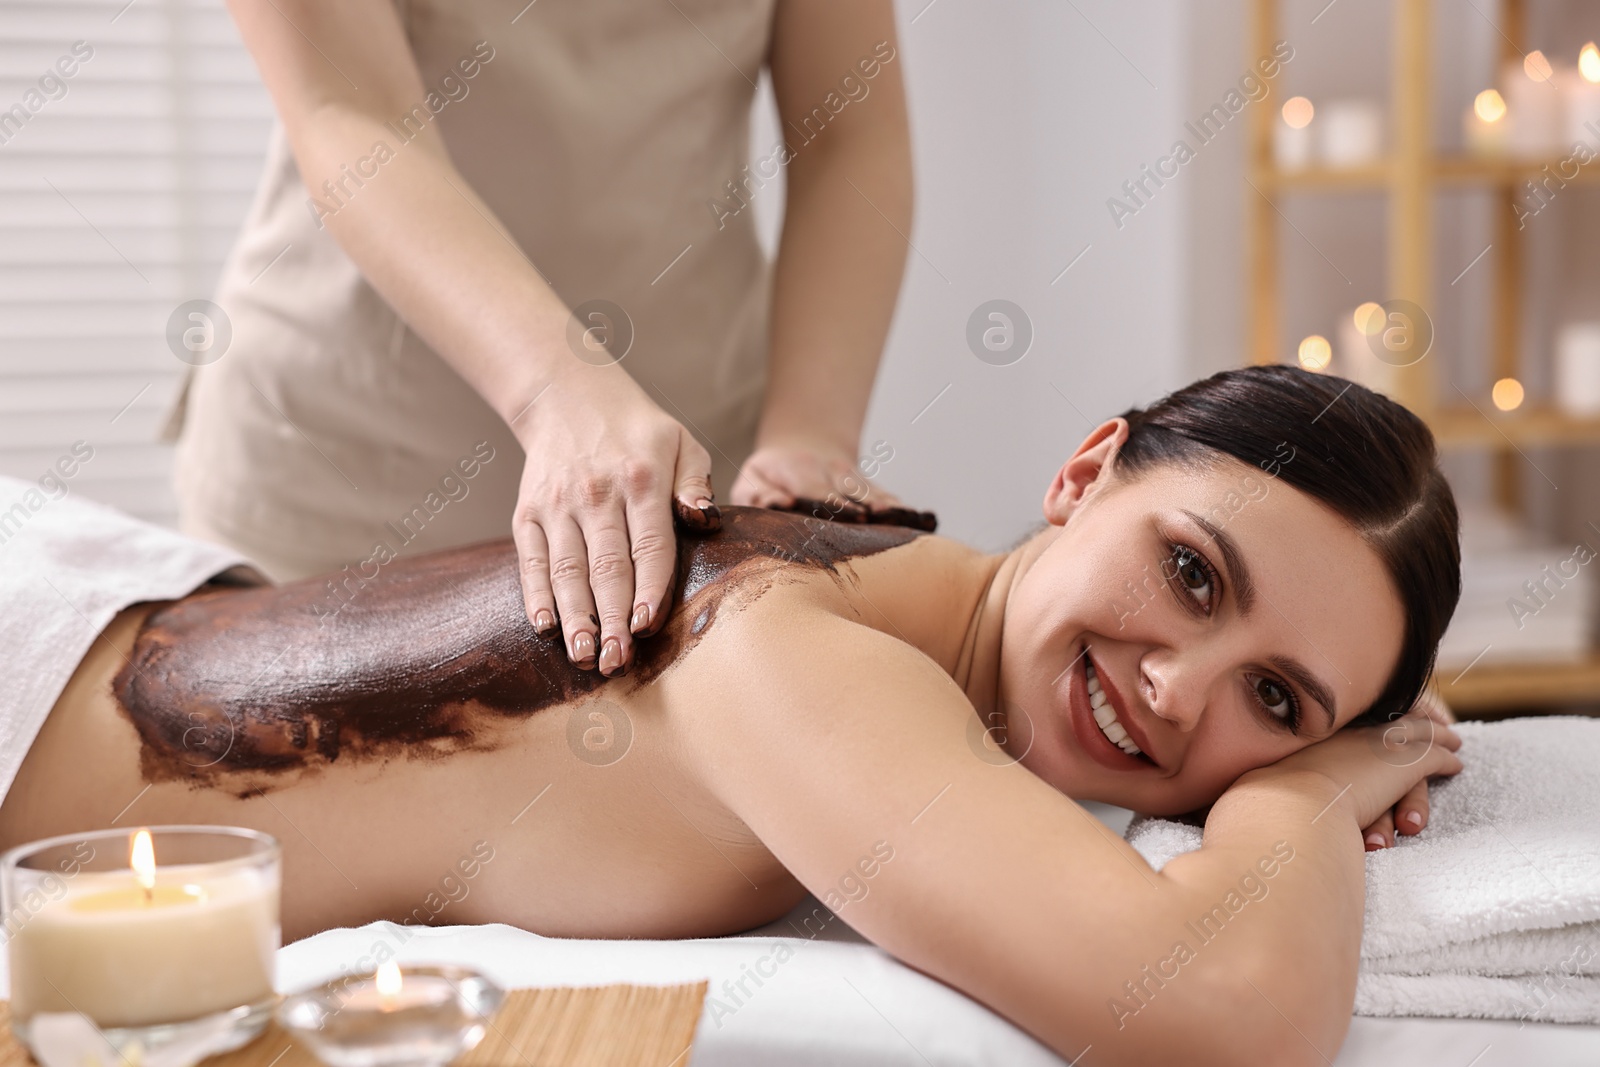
(598, 132)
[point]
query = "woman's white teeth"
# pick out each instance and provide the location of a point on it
(1105, 716)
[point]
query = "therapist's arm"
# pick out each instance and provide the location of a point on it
(841, 101)
(593, 524)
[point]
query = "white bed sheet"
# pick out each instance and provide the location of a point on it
(841, 1001)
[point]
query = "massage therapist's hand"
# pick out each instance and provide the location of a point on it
(593, 523)
(780, 471)
(1369, 769)
(1411, 814)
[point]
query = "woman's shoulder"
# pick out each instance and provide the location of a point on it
(777, 576)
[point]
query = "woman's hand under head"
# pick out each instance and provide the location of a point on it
(1225, 619)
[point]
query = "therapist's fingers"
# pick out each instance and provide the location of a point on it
(655, 556)
(761, 492)
(569, 575)
(691, 485)
(605, 534)
(533, 557)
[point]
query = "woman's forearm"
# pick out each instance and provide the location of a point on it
(1277, 899)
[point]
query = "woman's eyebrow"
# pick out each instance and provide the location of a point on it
(1296, 672)
(1244, 587)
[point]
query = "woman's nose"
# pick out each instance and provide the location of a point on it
(1174, 688)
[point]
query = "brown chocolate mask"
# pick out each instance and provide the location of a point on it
(425, 659)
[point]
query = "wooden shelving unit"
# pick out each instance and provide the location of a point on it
(1410, 179)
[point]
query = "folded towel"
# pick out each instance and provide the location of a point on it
(1493, 911)
(67, 567)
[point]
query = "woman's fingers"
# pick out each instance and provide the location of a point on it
(1411, 814)
(533, 562)
(1381, 833)
(569, 577)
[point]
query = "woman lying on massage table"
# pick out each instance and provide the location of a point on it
(1226, 579)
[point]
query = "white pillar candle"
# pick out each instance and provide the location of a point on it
(1486, 125)
(131, 948)
(1582, 90)
(1352, 132)
(1536, 106)
(1578, 369)
(1355, 358)
(1291, 146)
(1292, 135)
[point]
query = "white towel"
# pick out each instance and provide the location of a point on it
(67, 567)
(1493, 911)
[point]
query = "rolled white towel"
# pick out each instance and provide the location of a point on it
(1494, 910)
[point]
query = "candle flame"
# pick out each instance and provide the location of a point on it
(1537, 67)
(1298, 112)
(1589, 63)
(142, 858)
(1490, 106)
(388, 979)
(1369, 318)
(1315, 352)
(1507, 394)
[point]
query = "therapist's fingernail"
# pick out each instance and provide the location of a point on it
(583, 648)
(1412, 819)
(1375, 841)
(641, 618)
(610, 656)
(543, 621)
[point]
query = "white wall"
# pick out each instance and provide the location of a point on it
(1026, 117)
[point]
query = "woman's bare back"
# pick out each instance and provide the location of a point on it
(395, 742)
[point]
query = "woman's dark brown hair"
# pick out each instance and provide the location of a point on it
(1358, 452)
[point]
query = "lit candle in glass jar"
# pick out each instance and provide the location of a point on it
(139, 948)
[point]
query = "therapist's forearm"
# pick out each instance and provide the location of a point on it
(837, 277)
(433, 249)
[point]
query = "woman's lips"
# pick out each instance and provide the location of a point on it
(1080, 713)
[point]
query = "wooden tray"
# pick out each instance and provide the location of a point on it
(595, 1026)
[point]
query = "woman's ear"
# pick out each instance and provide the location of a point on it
(1089, 466)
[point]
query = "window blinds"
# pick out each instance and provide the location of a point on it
(131, 139)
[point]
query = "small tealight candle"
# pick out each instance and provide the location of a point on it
(1537, 108)
(396, 1017)
(144, 950)
(1582, 88)
(1487, 128)
(1292, 140)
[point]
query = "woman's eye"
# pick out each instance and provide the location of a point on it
(1275, 698)
(1192, 571)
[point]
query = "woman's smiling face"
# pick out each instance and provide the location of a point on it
(1224, 618)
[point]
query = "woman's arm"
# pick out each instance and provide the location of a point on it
(838, 744)
(604, 460)
(841, 104)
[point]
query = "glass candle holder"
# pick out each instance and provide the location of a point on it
(160, 935)
(398, 1017)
